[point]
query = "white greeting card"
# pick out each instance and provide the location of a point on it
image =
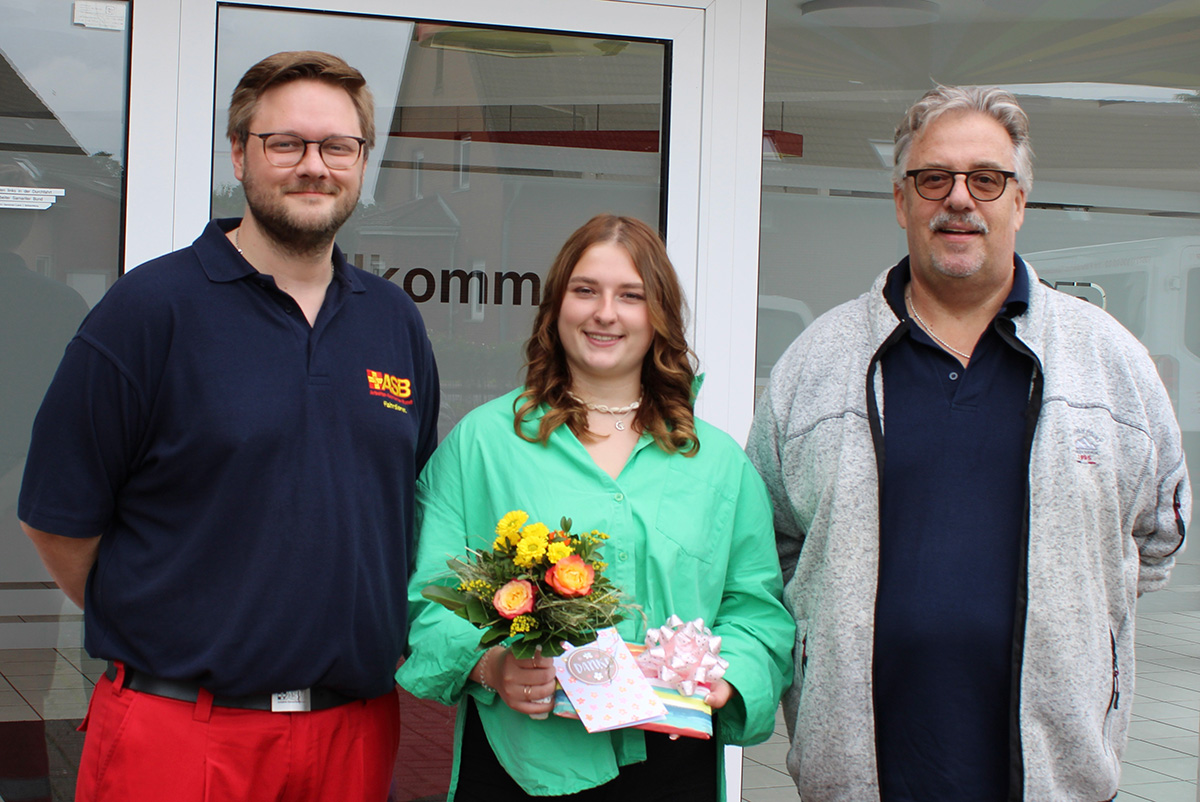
(605, 684)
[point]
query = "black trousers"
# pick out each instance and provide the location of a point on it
(683, 770)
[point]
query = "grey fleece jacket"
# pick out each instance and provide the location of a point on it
(1108, 498)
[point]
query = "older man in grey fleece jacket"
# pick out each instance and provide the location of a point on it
(974, 478)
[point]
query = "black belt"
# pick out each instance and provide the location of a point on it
(183, 691)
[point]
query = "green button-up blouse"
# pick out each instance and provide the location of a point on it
(690, 536)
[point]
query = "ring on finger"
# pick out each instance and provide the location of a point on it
(526, 693)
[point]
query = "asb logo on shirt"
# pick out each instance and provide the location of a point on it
(395, 392)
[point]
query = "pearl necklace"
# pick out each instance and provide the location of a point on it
(618, 413)
(913, 308)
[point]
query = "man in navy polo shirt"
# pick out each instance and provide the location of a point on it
(974, 477)
(222, 476)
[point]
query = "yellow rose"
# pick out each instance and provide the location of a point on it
(514, 599)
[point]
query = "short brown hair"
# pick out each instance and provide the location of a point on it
(298, 65)
(667, 369)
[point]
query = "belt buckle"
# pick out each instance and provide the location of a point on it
(292, 701)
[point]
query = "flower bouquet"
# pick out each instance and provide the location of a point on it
(536, 586)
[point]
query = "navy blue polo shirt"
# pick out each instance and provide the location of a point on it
(252, 476)
(951, 521)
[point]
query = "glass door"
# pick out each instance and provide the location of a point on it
(63, 70)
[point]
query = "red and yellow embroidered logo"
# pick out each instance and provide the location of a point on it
(395, 392)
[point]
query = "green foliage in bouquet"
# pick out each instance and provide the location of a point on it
(536, 587)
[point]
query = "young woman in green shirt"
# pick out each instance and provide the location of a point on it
(602, 432)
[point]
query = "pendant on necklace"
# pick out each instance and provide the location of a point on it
(620, 425)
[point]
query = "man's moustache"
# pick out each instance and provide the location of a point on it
(327, 189)
(943, 220)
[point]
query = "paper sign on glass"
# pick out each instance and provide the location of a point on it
(605, 684)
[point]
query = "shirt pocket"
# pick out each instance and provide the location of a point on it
(694, 516)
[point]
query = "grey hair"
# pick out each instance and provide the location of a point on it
(993, 101)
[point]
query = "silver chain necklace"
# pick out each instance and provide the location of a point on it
(237, 246)
(618, 413)
(913, 308)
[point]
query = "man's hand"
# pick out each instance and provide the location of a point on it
(68, 559)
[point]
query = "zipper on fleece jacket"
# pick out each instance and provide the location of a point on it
(876, 424)
(873, 416)
(1007, 329)
(1115, 702)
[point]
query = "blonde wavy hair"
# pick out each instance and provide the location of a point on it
(668, 369)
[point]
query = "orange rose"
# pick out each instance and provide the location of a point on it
(514, 599)
(571, 576)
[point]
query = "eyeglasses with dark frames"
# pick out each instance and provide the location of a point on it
(287, 150)
(984, 185)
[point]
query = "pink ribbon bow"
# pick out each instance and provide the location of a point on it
(683, 655)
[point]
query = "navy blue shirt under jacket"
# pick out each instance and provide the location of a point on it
(251, 476)
(952, 517)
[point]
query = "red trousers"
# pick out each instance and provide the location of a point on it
(144, 748)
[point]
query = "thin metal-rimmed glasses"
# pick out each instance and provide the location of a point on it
(287, 150)
(984, 185)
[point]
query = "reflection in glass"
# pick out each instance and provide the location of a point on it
(1191, 315)
(62, 138)
(63, 75)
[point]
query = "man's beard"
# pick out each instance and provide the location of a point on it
(297, 236)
